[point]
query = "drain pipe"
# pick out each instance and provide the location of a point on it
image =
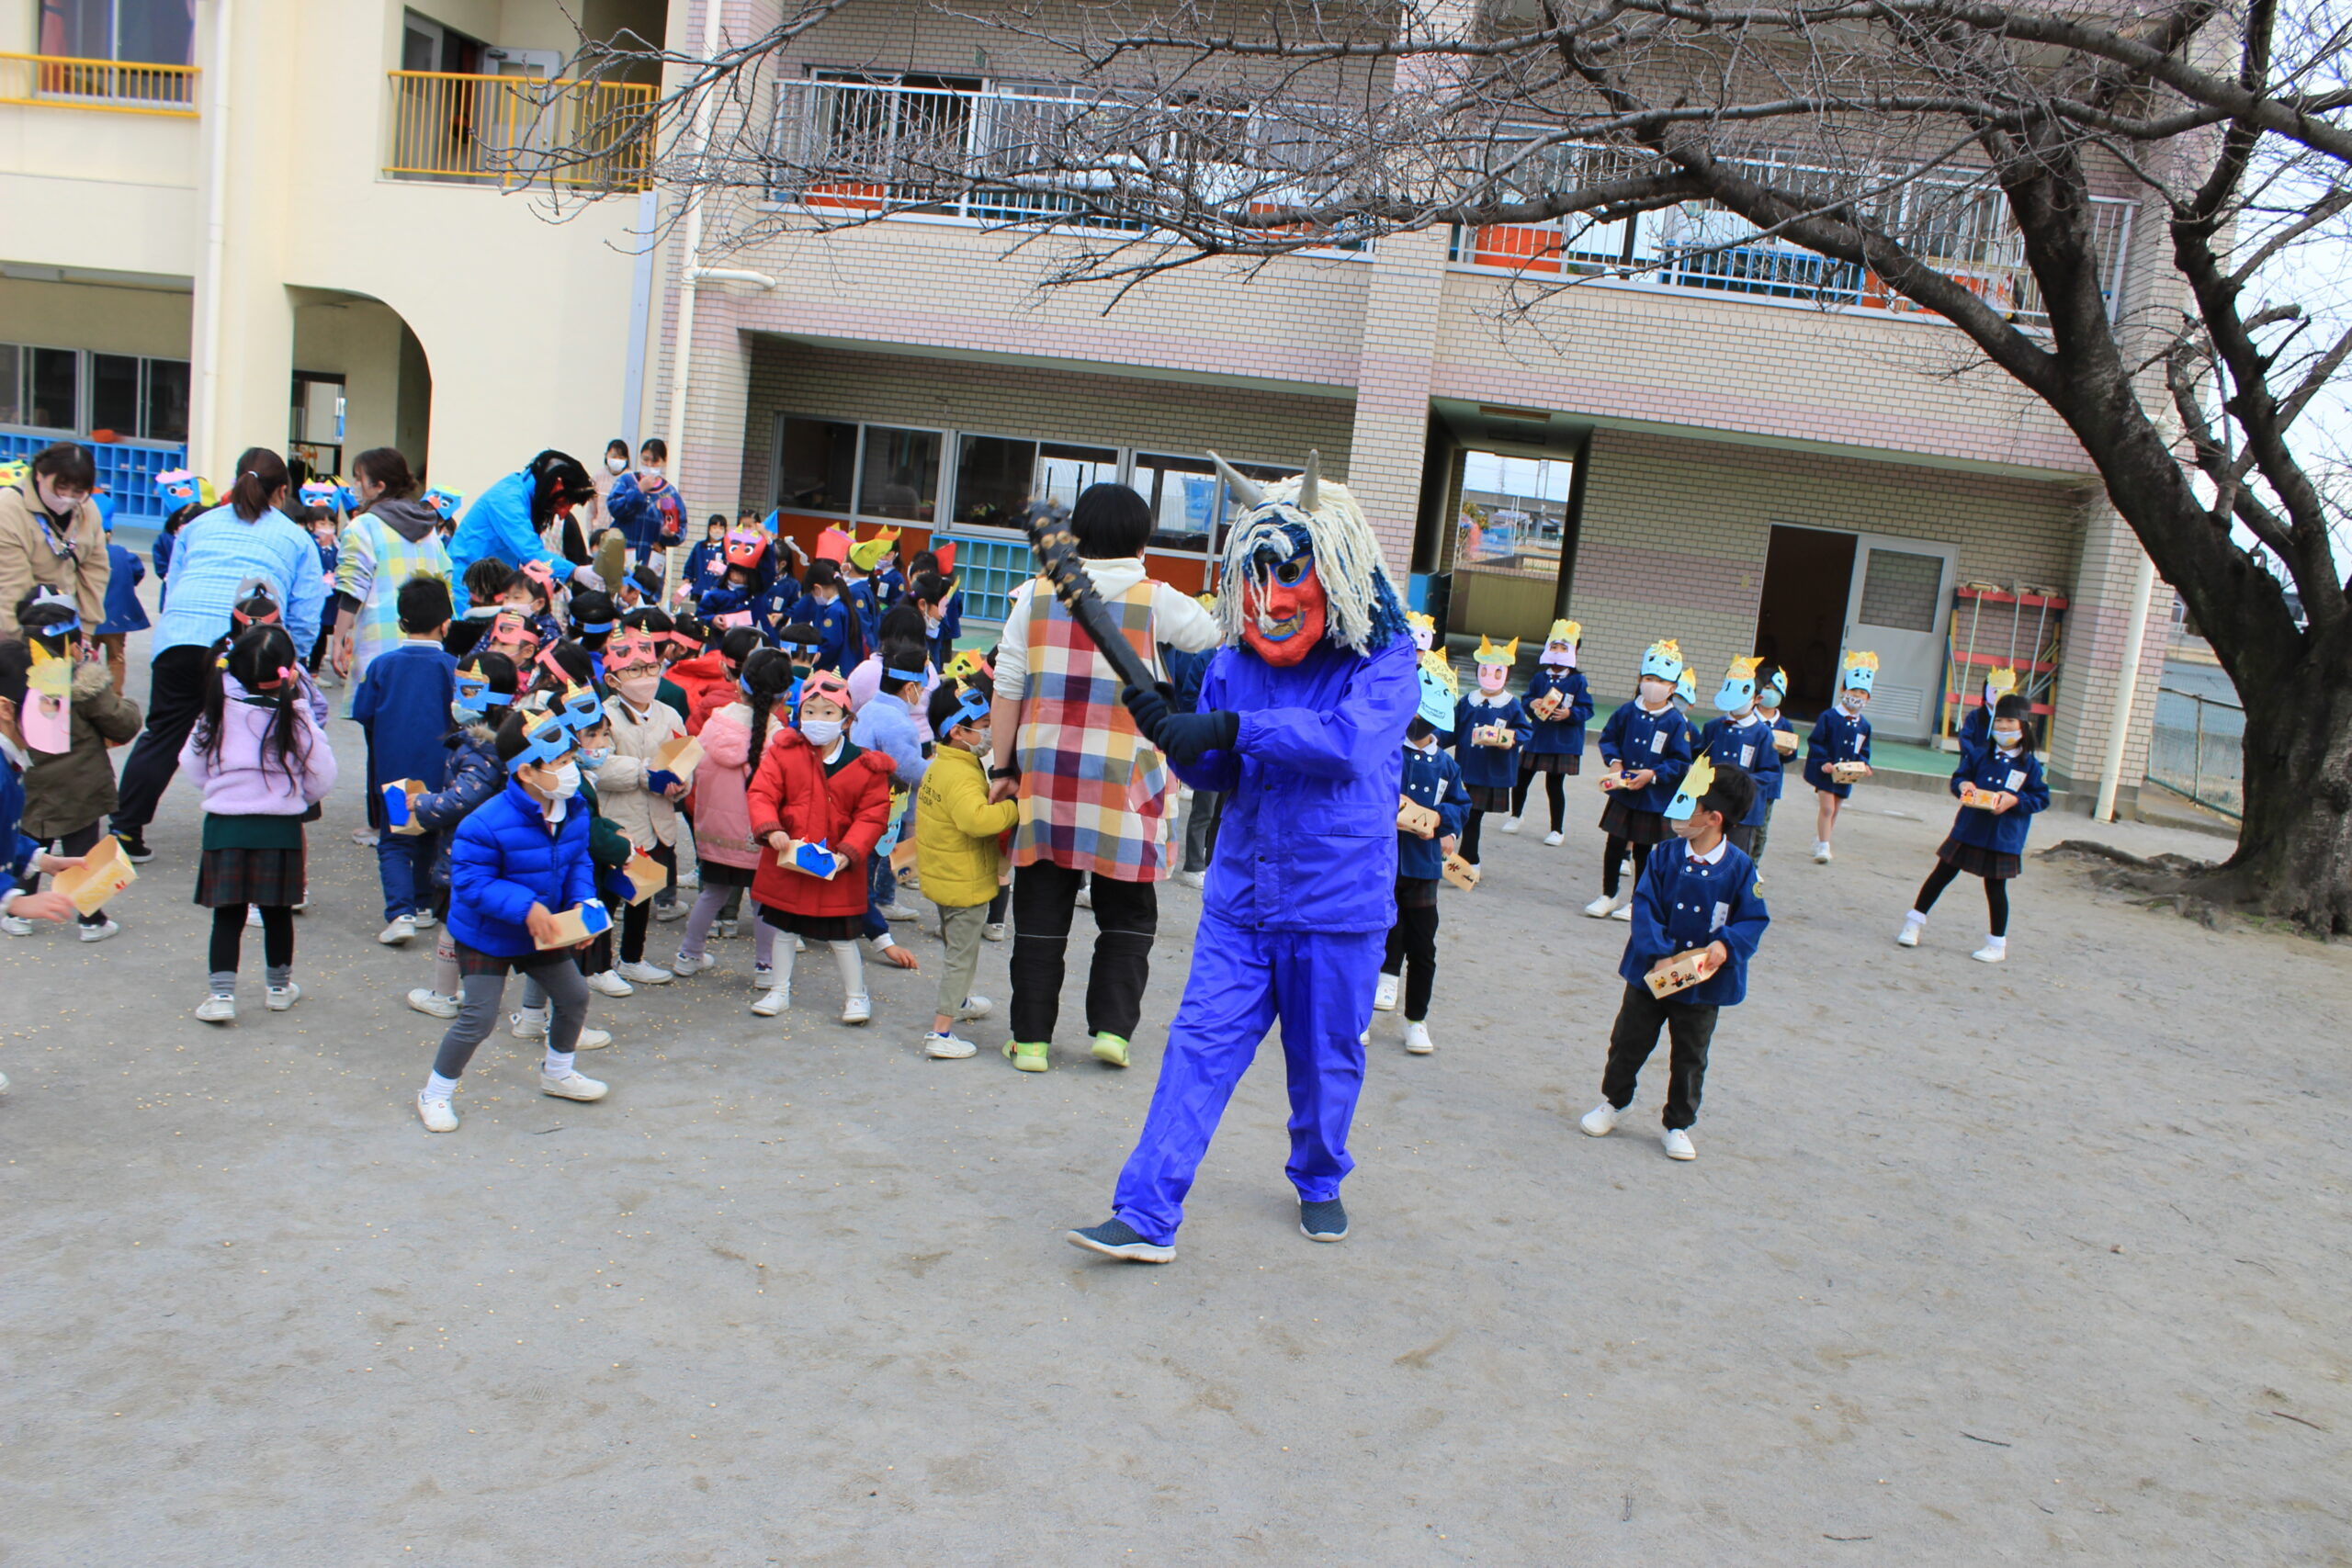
(2127, 684)
(205, 426)
(690, 247)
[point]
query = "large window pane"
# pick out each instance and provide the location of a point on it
(1064, 472)
(52, 388)
(78, 30)
(815, 461)
(1181, 493)
(992, 479)
(12, 410)
(156, 31)
(901, 474)
(114, 393)
(166, 401)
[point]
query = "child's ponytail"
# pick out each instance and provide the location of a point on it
(767, 676)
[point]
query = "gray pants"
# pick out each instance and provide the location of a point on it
(960, 931)
(558, 978)
(1200, 827)
(1763, 831)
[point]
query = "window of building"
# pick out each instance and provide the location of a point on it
(1181, 493)
(993, 474)
(52, 389)
(114, 393)
(816, 465)
(148, 32)
(1064, 472)
(136, 397)
(898, 474)
(162, 400)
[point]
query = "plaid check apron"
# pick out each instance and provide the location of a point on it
(1093, 792)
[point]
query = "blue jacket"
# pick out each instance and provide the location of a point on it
(1838, 737)
(838, 646)
(1730, 743)
(1985, 765)
(404, 705)
(498, 527)
(1308, 839)
(1683, 903)
(1432, 779)
(1489, 767)
(475, 775)
(162, 556)
(219, 550)
(505, 860)
(865, 600)
(727, 599)
(1770, 766)
(1185, 672)
(124, 612)
(1562, 735)
(328, 557)
(950, 626)
(706, 567)
(640, 515)
(773, 606)
(887, 725)
(16, 851)
(1659, 741)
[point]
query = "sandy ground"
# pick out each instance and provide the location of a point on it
(2031, 1264)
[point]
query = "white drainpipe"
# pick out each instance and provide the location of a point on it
(207, 423)
(690, 246)
(2126, 686)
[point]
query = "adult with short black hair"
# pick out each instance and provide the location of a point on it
(52, 534)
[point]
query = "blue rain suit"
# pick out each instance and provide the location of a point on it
(1294, 918)
(497, 524)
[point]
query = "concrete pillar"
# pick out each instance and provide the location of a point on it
(2090, 668)
(1400, 327)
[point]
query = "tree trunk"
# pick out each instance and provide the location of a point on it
(2294, 857)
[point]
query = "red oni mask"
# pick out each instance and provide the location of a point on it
(1292, 611)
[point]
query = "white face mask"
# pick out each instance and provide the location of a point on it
(593, 759)
(617, 465)
(648, 470)
(822, 732)
(2008, 738)
(567, 780)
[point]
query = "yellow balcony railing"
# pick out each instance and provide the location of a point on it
(121, 87)
(514, 132)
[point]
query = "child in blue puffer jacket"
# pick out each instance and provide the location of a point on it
(487, 683)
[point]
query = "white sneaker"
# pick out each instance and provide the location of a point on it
(422, 919)
(974, 1010)
(1988, 954)
(1677, 1145)
(16, 927)
(1625, 911)
(432, 1003)
(684, 967)
(438, 1115)
(571, 1085)
(604, 983)
(102, 931)
(1601, 1120)
(363, 836)
(799, 943)
(279, 998)
(1600, 908)
(217, 1009)
(857, 1009)
(948, 1047)
(1820, 853)
(993, 932)
(762, 976)
(1909, 935)
(1086, 897)
(530, 1023)
(1383, 996)
(1193, 878)
(675, 909)
(1417, 1040)
(774, 1002)
(894, 910)
(401, 931)
(1365, 1038)
(643, 974)
(1510, 824)
(729, 928)
(592, 1039)
(1553, 840)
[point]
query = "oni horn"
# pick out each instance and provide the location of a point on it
(1244, 491)
(1310, 482)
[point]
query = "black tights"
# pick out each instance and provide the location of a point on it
(1997, 896)
(1556, 791)
(1611, 858)
(229, 935)
(1469, 849)
(1412, 952)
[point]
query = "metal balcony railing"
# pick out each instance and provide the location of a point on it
(120, 86)
(509, 132)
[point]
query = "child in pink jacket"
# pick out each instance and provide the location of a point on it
(723, 841)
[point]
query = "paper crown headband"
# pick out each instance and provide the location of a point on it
(1423, 628)
(1700, 779)
(320, 493)
(970, 708)
(581, 709)
(474, 694)
(833, 542)
(1663, 658)
(14, 470)
(1570, 632)
(1739, 684)
(746, 550)
(1440, 689)
(968, 664)
(546, 738)
(828, 685)
(55, 610)
(1861, 669)
(1774, 688)
(445, 503)
(1686, 685)
(1491, 653)
(867, 554)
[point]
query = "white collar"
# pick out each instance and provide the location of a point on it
(1711, 856)
(1655, 712)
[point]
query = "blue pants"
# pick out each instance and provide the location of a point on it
(404, 863)
(1318, 986)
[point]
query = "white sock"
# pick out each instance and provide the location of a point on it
(439, 1087)
(781, 963)
(556, 1065)
(853, 968)
(1997, 943)
(1914, 917)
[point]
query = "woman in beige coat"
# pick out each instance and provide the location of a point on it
(631, 791)
(51, 535)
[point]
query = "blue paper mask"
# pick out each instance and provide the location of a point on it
(1695, 783)
(1739, 689)
(1663, 658)
(1441, 691)
(546, 742)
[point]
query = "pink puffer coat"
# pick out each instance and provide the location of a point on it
(722, 821)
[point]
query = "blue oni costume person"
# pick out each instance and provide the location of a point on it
(1300, 721)
(505, 523)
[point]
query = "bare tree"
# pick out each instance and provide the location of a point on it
(1968, 159)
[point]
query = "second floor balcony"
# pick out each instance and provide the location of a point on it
(120, 86)
(517, 133)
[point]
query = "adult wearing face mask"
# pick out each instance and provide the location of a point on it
(645, 506)
(393, 538)
(631, 789)
(506, 520)
(52, 536)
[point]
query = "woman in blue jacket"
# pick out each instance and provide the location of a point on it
(1432, 779)
(2000, 786)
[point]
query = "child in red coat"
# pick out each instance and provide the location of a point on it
(819, 803)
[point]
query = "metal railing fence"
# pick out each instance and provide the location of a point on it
(514, 132)
(120, 86)
(2198, 749)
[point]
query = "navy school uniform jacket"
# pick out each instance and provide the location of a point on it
(404, 705)
(1489, 767)
(1745, 744)
(727, 599)
(865, 601)
(838, 646)
(16, 848)
(1770, 766)
(1838, 737)
(1434, 780)
(774, 607)
(505, 859)
(1682, 903)
(475, 775)
(705, 568)
(1987, 767)
(1658, 741)
(1562, 735)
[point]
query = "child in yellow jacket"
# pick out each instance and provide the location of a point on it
(957, 833)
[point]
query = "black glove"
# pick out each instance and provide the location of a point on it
(1149, 708)
(1185, 736)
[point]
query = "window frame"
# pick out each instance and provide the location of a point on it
(84, 379)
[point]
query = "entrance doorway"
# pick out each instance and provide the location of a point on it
(1800, 618)
(1509, 548)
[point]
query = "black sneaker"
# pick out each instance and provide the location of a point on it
(134, 846)
(1327, 1221)
(1116, 1238)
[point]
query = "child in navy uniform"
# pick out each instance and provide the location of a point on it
(1841, 735)
(1558, 707)
(1489, 727)
(1771, 769)
(1700, 895)
(841, 647)
(2003, 779)
(1647, 747)
(1434, 780)
(125, 613)
(1742, 739)
(402, 705)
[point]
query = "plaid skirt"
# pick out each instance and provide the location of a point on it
(1978, 861)
(1485, 799)
(1568, 764)
(271, 879)
(815, 928)
(715, 874)
(1620, 820)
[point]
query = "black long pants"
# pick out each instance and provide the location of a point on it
(175, 701)
(1470, 836)
(1611, 855)
(637, 918)
(1127, 917)
(1997, 896)
(1412, 952)
(229, 936)
(1556, 795)
(1689, 1026)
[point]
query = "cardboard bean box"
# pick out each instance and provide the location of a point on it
(1683, 973)
(104, 872)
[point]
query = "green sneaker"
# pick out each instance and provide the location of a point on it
(1109, 1050)
(1029, 1058)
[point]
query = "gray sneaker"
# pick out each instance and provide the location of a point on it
(1327, 1221)
(1116, 1238)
